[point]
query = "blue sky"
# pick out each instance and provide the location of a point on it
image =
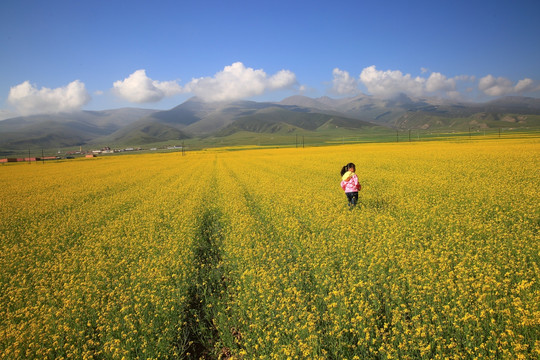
(94, 55)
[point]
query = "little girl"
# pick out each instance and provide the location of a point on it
(350, 184)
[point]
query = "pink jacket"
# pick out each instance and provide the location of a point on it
(350, 183)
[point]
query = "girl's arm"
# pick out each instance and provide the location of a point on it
(356, 182)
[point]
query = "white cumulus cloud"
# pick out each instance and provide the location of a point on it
(526, 85)
(343, 83)
(237, 81)
(139, 88)
(438, 82)
(28, 99)
(391, 82)
(492, 86)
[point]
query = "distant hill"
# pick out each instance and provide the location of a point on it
(142, 132)
(65, 129)
(404, 112)
(280, 120)
(195, 118)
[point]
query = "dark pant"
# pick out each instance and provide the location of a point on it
(352, 197)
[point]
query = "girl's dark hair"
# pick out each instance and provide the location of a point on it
(346, 168)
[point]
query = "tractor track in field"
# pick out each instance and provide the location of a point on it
(208, 283)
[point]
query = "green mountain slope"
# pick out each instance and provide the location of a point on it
(65, 129)
(143, 132)
(279, 120)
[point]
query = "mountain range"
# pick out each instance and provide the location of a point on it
(297, 114)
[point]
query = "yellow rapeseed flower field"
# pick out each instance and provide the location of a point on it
(254, 254)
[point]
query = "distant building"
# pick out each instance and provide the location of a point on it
(27, 159)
